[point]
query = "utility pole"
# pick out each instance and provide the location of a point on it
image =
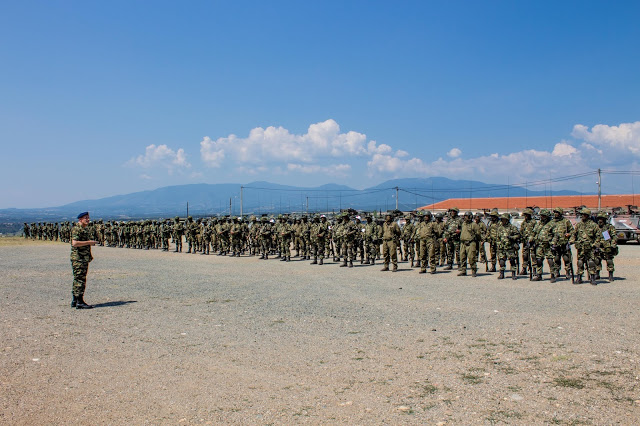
(396, 198)
(307, 206)
(230, 211)
(599, 189)
(187, 209)
(241, 202)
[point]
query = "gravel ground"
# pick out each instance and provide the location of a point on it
(191, 339)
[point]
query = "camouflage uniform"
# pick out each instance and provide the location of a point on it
(390, 238)
(508, 244)
(481, 254)
(452, 237)
(470, 233)
(526, 230)
(427, 238)
(177, 232)
(80, 259)
(349, 232)
(562, 249)
(588, 240)
(492, 238)
(408, 231)
(609, 247)
(542, 239)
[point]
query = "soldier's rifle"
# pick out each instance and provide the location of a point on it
(568, 248)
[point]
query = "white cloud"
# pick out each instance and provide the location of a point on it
(625, 137)
(454, 153)
(161, 156)
(333, 169)
(563, 149)
(278, 145)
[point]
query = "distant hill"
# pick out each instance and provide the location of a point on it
(266, 198)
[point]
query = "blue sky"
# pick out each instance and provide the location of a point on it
(106, 98)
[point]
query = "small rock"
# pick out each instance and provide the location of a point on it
(343, 404)
(404, 408)
(516, 397)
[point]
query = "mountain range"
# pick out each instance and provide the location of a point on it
(267, 198)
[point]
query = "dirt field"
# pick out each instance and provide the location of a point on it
(192, 339)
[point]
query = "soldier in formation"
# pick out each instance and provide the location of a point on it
(428, 240)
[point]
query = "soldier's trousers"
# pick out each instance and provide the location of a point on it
(285, 246)
(390, 253)
(481, 253)
(528, 253)
(468, 253)
(543, 250)
(409, 250)
(80, 270)
(319, 247)
(428, 255)
(586, 258)
(562, 254)
(348, 249)
(607, 256)
(493, 252)
(510, 254)
(453, 251)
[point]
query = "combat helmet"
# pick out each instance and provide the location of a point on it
(545, 212)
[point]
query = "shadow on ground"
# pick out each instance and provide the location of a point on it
(115, 303)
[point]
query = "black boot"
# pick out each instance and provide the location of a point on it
(579, 280)
(597, 275)
(513, 275)
(344, 263)
(592, 279)
(321, 262)
(315, 261)
(350, 264)
(611, 277)
(74, 301)
(80, 303)
(501, 276)
(553, 278)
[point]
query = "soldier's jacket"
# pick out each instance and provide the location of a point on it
(439, 229)
(372, 231)
(390, 231)
(527, 229)
(349, 230)
(492, 232)
(562, 226)
(178, 229)
(612, 242)
(223, 229)
(451, 226)
(508, 235)
(543, 233)
(470, 231)
(426, 231)
(483, 232)
(322, 230)
(265, 230)
(305, 229)
(284, 229)
(80, 254)
(235, 230)
(408, 231)
(586, 235)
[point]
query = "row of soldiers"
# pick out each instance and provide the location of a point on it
(426, 241)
